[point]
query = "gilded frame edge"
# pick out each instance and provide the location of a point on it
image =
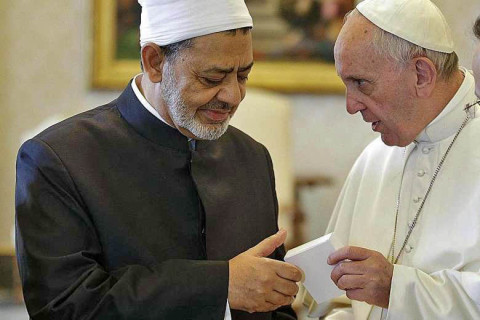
(286, 77)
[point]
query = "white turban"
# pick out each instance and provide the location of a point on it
(169, 21)
(417, 21)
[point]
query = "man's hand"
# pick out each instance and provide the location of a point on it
(364, 274)
(259, 284)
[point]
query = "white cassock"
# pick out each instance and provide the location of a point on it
(438, 274)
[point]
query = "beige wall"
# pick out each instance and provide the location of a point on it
(5, 182)
(41, 50)
(461, 15)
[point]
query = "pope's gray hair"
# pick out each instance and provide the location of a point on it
(402, 51)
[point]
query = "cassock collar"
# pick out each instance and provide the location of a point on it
(450, 119)
(147, 125)
(144, 101)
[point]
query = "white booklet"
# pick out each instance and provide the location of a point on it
(311, 257)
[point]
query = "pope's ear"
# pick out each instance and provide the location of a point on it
(426, 73)
(153, 59)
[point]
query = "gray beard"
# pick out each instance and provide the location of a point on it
(184, 117)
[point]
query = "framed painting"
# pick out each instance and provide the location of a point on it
(292, 39)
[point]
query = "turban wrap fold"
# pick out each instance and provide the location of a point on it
(169, 21)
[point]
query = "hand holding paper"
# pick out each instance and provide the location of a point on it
(366, 275)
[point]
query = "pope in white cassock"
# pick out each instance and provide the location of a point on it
(409, 212)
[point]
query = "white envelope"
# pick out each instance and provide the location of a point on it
(311, 257)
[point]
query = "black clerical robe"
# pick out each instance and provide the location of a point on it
(118, 216)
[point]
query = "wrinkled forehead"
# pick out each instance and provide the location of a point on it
(357, 32)
(223, 43)
(222, 49)
(355, 55)
(354, 43)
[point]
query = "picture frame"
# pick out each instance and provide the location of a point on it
(294, 76)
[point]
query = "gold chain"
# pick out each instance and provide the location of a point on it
(391, 256)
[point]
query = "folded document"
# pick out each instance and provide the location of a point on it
(312, 257)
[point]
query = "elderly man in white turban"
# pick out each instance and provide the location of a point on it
(151, 206)
(408, 214)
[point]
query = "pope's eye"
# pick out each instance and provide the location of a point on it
(359, 82)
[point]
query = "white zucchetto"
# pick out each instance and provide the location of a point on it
(169, 21)
(417, 21)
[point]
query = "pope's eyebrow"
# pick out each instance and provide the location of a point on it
(355, 78)
(228, 70)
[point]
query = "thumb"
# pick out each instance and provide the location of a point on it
(268, 245)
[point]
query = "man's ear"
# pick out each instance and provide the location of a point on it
(426, 77)
(153, 59)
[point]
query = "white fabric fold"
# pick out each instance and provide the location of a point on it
(169, 21)
(417, 21)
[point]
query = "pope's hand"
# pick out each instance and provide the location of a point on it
(259, 284)
(364, 274)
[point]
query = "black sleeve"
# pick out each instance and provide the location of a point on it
(285, 312)
(60, 258)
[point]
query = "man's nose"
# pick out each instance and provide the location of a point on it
(353, 105)
(231, 93)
